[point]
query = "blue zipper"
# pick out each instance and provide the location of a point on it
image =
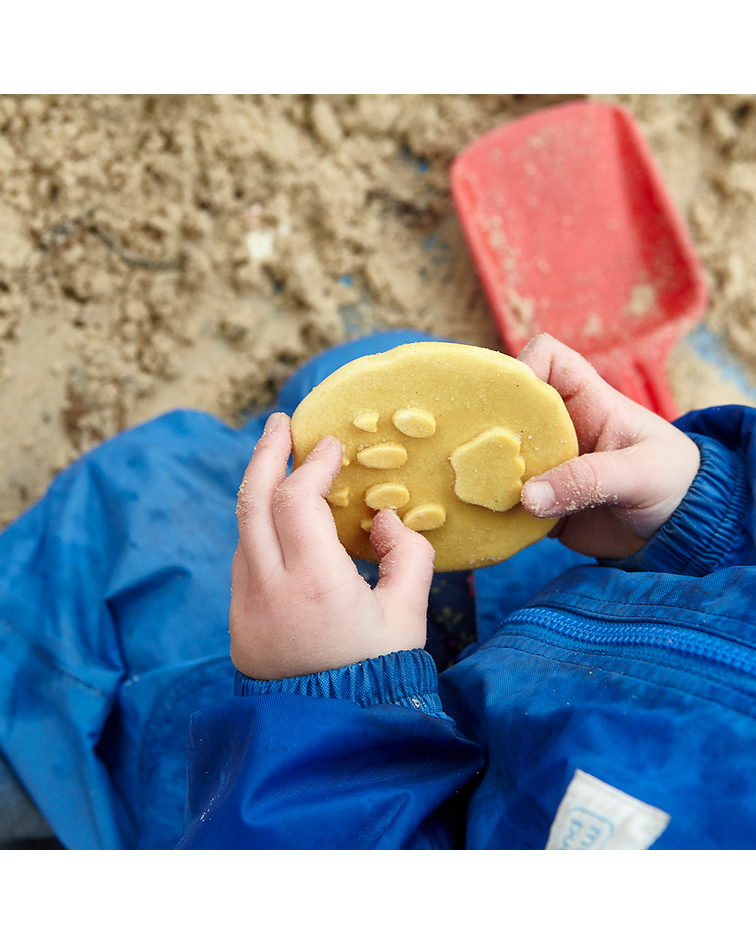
(737, 656)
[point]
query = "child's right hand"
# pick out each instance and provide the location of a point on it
(633, 471)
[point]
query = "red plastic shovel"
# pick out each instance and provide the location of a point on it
(573, 232)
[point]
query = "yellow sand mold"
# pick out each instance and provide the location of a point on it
(446, 434)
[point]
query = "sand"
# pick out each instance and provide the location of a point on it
(169, 251)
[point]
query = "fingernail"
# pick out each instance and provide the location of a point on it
(322, 446)
(541, 495)
(272, 422)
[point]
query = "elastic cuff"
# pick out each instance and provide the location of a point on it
(407, 677)
(704, 529)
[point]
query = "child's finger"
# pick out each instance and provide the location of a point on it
(406, 567)
(603, 417)
(239, 570)
(582, 483)
(265, 472)
(303, 518)
(631, 478)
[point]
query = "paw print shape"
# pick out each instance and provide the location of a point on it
(488, 470)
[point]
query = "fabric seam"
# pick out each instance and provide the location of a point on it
(642, 660)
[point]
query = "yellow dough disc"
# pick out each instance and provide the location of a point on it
(447, 434)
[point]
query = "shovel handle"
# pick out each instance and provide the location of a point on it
(644, 383)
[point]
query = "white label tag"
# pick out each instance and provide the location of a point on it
(594, 815)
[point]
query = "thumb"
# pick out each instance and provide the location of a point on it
(629, 479)
(406, 568)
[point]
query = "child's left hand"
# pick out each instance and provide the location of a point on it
(298, 603)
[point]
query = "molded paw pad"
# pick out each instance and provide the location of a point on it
(367, 420)
(387, 495)
(411, 421)
(488, 470)
(425, 517)
(339, 496)
(383, 456)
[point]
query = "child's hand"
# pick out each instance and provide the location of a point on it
(298, 603)
(633, 471)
